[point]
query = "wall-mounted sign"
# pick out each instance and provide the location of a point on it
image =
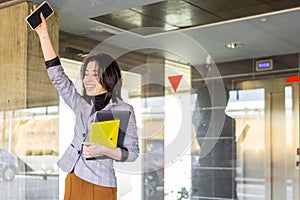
(263, 65)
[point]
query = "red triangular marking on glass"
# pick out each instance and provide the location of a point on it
(175, 80)
(292, 79)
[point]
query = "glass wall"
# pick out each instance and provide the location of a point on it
(266, 139)
(206, 131)
(28, 155)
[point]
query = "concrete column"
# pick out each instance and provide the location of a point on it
(23, 78)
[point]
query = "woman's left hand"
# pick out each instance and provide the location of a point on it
(42, 28)
(92, 149)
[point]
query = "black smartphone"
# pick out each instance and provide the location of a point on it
(34, 18)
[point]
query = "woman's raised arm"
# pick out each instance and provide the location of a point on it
(42, 31)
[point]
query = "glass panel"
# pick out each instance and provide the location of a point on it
(129, 177)
(178, 131)
(28, 154)
(247, 108)
(267, 138)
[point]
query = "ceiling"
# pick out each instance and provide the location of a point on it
(264, 27)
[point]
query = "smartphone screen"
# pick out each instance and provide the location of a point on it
(34, 18)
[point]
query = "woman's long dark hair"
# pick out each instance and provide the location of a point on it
(109, 74)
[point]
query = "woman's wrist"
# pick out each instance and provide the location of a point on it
(43, 35)
(104, 150)
(46, 45)
(114, 153)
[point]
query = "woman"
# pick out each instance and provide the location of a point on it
(90, 178)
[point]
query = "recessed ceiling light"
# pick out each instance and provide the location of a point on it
(263, 19)
(234, 45)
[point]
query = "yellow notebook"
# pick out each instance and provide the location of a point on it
(105, 133)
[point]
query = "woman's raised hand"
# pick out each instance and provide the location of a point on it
(42, 28)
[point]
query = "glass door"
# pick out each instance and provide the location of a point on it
(267, 132)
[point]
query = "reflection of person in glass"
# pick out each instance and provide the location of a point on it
(215, 176)
(90, 178)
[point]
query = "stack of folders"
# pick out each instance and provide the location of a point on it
(105, 133)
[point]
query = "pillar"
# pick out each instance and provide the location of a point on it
(23, 78)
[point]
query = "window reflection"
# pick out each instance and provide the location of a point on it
(28, 154)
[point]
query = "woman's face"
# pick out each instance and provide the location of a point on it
(91, 80)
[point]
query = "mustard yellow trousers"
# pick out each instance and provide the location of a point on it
(79, 189)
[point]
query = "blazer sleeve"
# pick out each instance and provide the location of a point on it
(131, 139)
(65, 86)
